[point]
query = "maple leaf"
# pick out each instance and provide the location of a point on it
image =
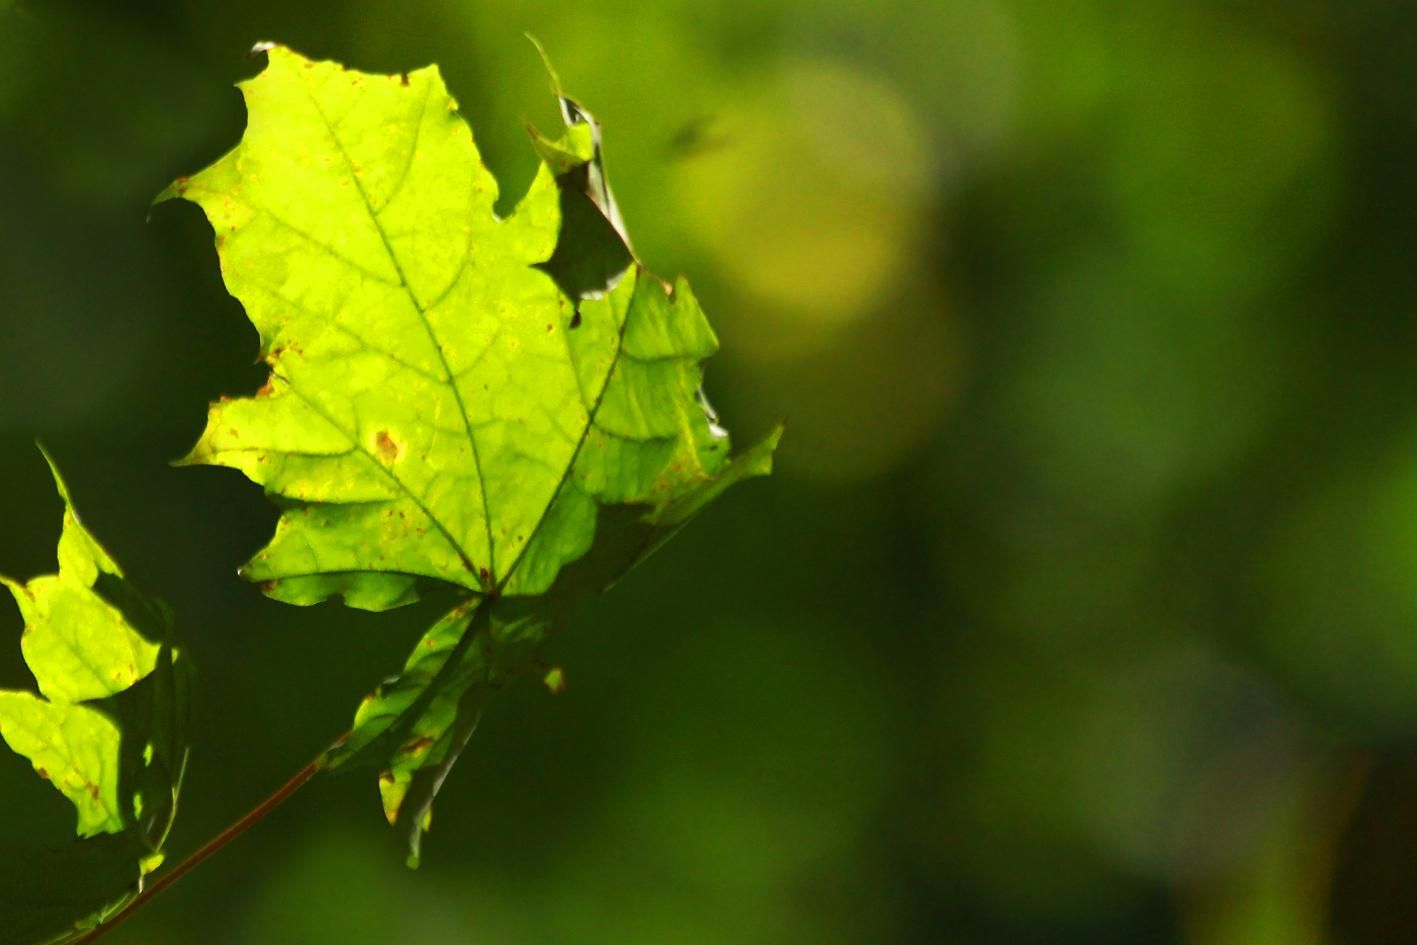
(510, 407)
(108, 729)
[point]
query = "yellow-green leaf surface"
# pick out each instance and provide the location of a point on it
(454, 399)
(106, 728)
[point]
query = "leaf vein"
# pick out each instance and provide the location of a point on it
(437, 345)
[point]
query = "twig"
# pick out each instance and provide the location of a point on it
(246, 822)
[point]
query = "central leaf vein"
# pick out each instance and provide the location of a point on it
(432, 337)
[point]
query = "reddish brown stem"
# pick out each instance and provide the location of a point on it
(246, 822)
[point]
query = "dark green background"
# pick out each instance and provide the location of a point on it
(1082, 608)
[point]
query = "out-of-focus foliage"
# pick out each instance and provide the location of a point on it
(1081, 607)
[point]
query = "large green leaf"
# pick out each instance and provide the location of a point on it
(107, 728)
(454, 399)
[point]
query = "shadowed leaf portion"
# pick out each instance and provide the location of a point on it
(491, 405)
(107, 729)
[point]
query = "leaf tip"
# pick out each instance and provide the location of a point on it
(545, 61)
(774, 437)
(177, 190)
(60, 486)
(191, 458)
(757, 459)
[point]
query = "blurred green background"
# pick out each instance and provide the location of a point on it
(1083, 606)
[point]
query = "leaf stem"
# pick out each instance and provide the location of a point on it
(195, 859)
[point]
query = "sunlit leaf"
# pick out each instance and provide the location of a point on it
(506, 407)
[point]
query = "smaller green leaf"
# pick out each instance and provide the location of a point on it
(416, 725)
(73, 747)
(78, 646)
(107, 729)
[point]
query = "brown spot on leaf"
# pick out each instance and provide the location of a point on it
(403, 79)
(42, 773)
(268, 587)
(92, 790)
(418, 746)
(266, 390)
(387, 447)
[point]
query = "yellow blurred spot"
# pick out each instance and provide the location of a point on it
(818, 203)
